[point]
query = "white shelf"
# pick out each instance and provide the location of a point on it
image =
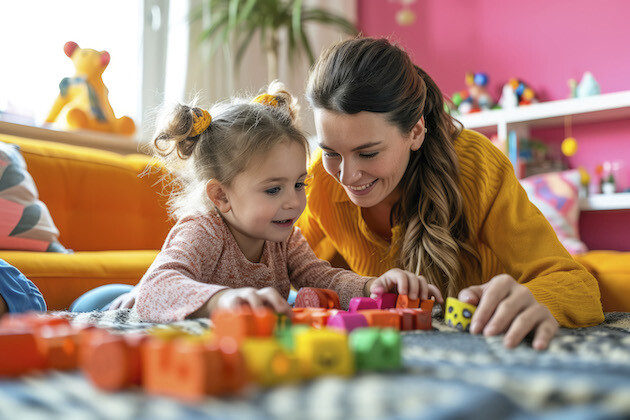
(617, 201)
(604, 107)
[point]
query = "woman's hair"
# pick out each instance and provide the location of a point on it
(239, 130)
(366, 74)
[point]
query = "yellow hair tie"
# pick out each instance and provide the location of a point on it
(200, 122)
(266, 99)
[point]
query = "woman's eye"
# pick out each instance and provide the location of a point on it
(272, 191)
(368, 155)
(331, 154)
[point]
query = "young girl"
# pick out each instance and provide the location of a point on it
(240, 173)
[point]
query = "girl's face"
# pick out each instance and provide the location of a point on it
(367, 154)
(268, 197)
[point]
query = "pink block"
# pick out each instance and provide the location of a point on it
(387, 301)
(347, 321)
(358, 303)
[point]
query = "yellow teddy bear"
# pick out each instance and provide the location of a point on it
(82, 102)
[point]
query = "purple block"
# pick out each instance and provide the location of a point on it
(347, 321)
(359, 303)
(387, 301)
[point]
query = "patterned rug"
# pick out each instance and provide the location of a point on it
(585, 374)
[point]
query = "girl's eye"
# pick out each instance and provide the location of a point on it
(368, 155)
(272, 191)
(300, 185)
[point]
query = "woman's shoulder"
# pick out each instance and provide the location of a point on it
(477, 155)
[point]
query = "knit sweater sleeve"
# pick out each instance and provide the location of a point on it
(524, 241)
(306, 270)
(173, 287)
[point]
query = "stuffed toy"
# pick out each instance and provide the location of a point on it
(82, 102)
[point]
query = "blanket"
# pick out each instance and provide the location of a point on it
(585, 374)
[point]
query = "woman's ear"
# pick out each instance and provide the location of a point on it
(217, 194)
(417, 134)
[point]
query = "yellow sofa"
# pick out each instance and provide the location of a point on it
(114, 220)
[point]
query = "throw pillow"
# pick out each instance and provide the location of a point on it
(556, 196)
(25, 222)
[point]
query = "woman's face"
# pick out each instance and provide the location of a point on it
(367, 154)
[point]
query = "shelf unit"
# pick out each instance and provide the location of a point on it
(599, 108)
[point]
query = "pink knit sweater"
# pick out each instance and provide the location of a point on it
(201, 257)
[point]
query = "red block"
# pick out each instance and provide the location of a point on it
(386, 301)
(19, 353)
(381, 318)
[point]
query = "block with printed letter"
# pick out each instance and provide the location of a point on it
(268, 362)
(323, 352)
(312, 297)
(376, 349)
(361, 303)
(458, 314)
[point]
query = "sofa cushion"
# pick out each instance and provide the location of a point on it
(25, 222)
(62, 278)
(612, 271)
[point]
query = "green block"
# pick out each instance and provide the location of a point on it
(376, 349)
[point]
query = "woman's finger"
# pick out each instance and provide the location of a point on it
(545, 333)
(523, 324)
(493, 292)
(417, 287)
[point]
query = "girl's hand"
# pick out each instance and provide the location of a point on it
(405, 283)
(126, 300)
(255, 298)
(505, 306)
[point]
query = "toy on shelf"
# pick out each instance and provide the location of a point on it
(588, 86)
(83, 102)
(476, 97)
(516, 93)
(606, 173)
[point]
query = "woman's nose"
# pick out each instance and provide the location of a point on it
(348, 173)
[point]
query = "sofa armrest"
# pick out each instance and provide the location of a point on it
(97, 199)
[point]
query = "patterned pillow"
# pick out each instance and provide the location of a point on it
(556, 196)
(25, 222)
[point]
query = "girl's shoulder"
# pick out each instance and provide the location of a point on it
(210, 224)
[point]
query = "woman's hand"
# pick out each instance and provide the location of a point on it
(505, 306)
(126, 300)
(256, 298)
(405, 283)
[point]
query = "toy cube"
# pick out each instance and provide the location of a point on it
(323, 352)
(381, 318)
(268, 362)
(458, 314)
(19, 353)
(376, 349)
(427, 304)
(361, 303)
(403, 302)
(347, 321)
(406, 318)
(386, 301)
(312, 297)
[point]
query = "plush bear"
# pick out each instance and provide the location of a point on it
(82, 102)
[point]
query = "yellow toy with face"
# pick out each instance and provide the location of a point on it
(83, 99)
(323, 352)
(458, 314)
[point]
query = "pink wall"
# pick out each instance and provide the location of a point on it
(544, 43)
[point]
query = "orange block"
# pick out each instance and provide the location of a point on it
(60, 346)
(403, 302)
(406, 318)
(19, 353)
(237, 324)
(32, 321)
(426, 304)
(381, 318)
(423, 319)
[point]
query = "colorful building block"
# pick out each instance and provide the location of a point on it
(458, 314)
(268, 362)
(243, 322)
(19, 353)
(347, 321)
(323, 352)
(386, 301)
(381, 319)
(376, 349)
(312, 297)
(361, 303)
(403, 302)
(406, 318)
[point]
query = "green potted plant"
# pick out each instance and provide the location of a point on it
(237, 21)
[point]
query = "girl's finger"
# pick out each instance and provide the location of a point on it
(274, 300)
(402, 280)
(416, 286)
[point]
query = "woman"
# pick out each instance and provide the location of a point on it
(400, 184)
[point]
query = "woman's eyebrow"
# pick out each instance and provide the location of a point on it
(363, 146)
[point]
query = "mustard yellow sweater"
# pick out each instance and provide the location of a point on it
(511, 234)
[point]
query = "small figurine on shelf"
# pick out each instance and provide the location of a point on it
(588, 86)
(516, 93)
(476, 97)
(607, 178)
(585, 180)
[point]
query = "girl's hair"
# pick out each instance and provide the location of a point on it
(239, 130)
(366, 74)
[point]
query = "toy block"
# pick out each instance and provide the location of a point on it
(265, 322)
(376, 349)
(238, 324)
(111, 362)
(301, 317)
(458, 314)
(32, 321)
(347, 321)
(19, 353)
(386, 301)
(323, 352)
(422, 320)
(181, 368)
(235, 374)
(60, 346)
(312, 297)
(285, 337)
(268, 362)
(361, 303)
(381, 318)
(403, 302)
(427, 304)
(406, 318)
